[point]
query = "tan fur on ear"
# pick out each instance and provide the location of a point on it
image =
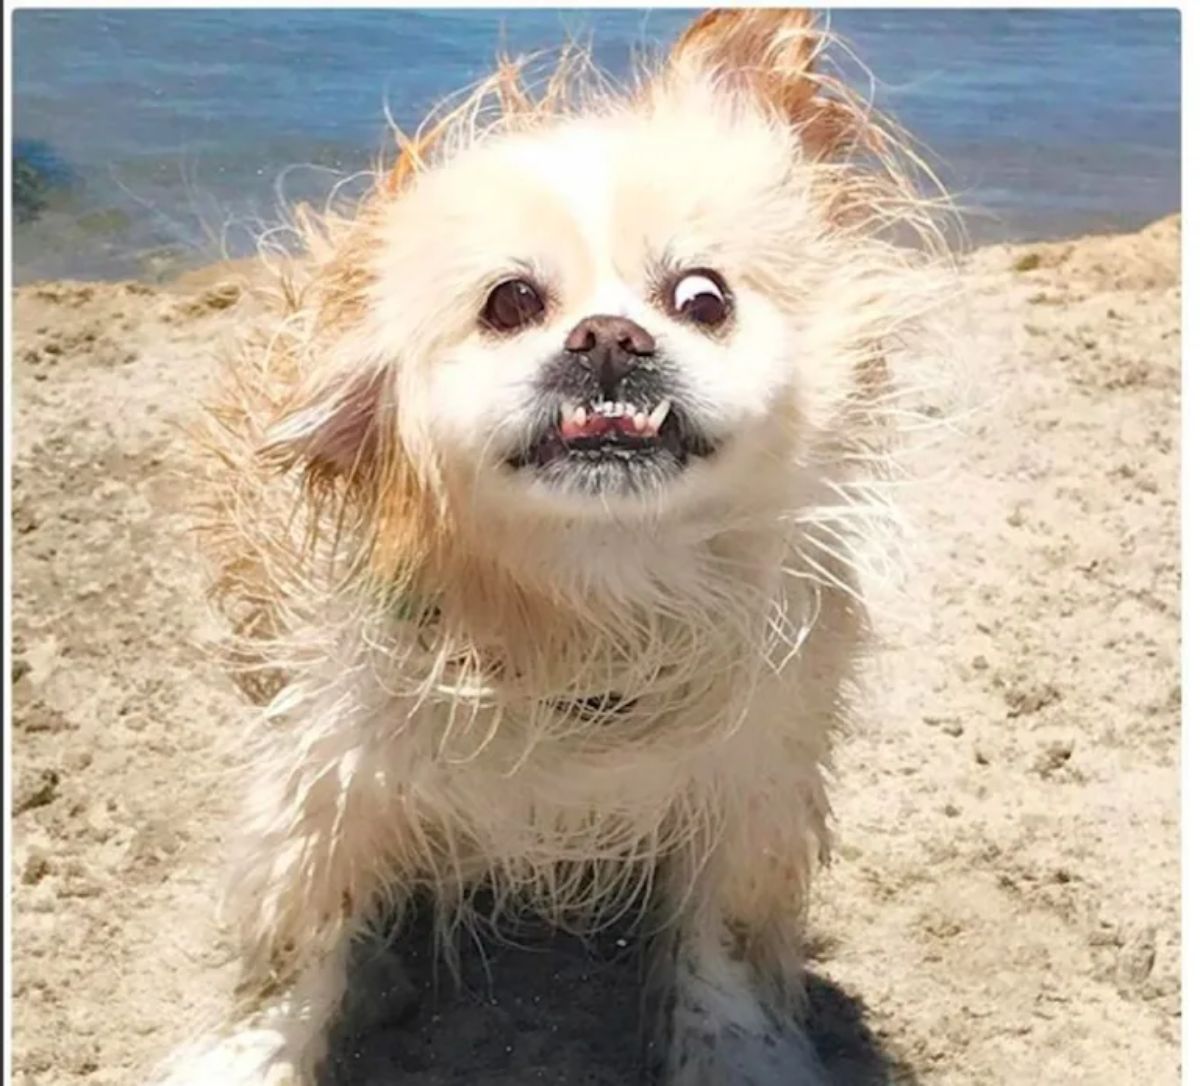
(772, 54)
(336, 435)
(345, 445)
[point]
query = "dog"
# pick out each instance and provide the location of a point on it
(537, 512)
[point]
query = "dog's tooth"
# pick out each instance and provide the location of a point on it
(659, 414)
(639, 421)
(579, 417)
(567, 411)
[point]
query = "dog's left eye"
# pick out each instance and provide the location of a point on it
(702, 297)
(512, 305)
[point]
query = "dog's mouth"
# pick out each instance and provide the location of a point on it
(614, 445)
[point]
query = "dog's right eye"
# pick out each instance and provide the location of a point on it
(512, 305)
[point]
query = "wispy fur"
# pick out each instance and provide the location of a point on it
(425, 664)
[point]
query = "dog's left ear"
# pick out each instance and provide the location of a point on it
(771, 55)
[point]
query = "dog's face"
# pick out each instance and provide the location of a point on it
(618, 312)
(592, 323)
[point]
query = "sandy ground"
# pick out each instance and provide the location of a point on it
(1003, 906)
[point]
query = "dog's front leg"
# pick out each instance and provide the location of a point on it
(323, 847)
(729, 975)
(273, 1040)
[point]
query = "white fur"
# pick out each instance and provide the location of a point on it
(414, 749)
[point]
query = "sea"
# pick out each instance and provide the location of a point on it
(148, 141)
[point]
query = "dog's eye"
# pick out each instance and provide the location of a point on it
(702, 297)
(513, 304)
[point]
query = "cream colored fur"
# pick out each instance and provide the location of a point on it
(423, 624)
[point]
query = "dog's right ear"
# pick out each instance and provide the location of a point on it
(337, 430)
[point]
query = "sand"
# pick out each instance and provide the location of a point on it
(1003, 905)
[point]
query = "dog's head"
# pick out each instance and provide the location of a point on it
(617, 308)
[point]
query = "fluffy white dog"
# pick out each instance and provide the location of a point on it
(536, 511)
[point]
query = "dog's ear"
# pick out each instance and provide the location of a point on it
(342, 437)
(771, 54)
(335, 431)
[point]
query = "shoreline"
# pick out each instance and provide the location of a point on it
(188, 275)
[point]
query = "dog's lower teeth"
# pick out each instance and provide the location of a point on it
(658, 415)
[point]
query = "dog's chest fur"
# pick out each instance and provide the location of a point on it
(570, 781)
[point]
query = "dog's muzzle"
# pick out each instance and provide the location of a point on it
(612, 415)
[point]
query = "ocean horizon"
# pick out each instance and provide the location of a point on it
(146, 142)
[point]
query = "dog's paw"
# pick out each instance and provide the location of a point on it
(732, 1056)
(254, 1056)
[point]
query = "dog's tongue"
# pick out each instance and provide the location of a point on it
(596, 425)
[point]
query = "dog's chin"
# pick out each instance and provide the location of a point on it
(612, 451)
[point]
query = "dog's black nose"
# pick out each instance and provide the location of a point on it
(611, 347)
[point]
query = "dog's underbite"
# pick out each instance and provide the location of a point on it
(537, 506)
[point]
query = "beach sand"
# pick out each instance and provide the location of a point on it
(1003, 903)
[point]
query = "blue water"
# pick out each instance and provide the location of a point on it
(169, 138)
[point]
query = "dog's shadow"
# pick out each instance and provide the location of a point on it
(551, 1010)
